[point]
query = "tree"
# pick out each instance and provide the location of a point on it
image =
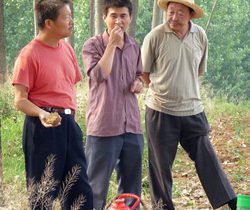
(18, 27)
(3, 68)
(144, 19)
(1, 169)
(228, 62)
(132, 27)
(81, 26)
(35, 22)
(2, 79)
(98, 16)
(157, 15)
(92, 17)
(70, 39)
(211, 15)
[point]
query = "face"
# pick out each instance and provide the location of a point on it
(178, 16)
(117, 16)
(63, 26)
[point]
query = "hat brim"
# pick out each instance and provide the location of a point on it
(198, 12)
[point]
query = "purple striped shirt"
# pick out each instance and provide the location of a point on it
(112, 108)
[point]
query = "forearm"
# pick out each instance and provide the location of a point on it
(106, 61)
(146, 79)
(27, 107)
(23, 104)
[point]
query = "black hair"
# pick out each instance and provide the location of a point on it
(48, 9)
(117, 3)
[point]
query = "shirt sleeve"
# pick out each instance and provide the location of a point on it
(91, 56)
(78, 74)
(203, 63)
(147, 54)
(139, 64)
(23, 73)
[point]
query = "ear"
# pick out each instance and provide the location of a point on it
(104, 17)
(192, 14)
(48, 23)
(131, 18)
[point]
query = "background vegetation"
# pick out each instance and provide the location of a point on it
(226, 94)
(228, 34)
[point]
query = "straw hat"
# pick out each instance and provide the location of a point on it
(189, 3)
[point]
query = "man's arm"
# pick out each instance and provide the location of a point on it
(115, 38)
(23, 104)
(146, 79)
(137, 85)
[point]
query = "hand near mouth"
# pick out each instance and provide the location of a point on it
(116, 35)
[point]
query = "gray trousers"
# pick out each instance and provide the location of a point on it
(104, 154)
(164, 133)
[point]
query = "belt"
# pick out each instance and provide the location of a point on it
(59, 110)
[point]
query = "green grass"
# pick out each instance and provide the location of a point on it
(216, 108)
(13, 162)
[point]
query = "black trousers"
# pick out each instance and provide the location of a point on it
(164, 133)
(65, 144)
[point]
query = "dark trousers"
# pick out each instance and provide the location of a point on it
(65, 144)
(104, 154)
(164, 133)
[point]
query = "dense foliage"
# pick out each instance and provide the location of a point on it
(229, 40)
(229, 50)
(18, 19)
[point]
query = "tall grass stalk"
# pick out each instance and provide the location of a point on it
(70, 180)
(79, 202)
(40, 193)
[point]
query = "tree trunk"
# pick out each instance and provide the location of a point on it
(3, 68)
(211, 14)
(70, 39)
(1, 167)
(92, 18)
(98, 16)
(35, 22)
(157, 15)
(132, 27)
(2, 79)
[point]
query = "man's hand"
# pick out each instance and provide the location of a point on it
(116, 39)
(23, 104)
(47, 122)
(116, 36)
(137, 86)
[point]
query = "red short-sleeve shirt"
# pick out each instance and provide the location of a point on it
(48, 73)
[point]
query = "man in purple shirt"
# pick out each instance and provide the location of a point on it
(114, 136)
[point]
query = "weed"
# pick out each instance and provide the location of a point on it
(70, 180)
(40, 193)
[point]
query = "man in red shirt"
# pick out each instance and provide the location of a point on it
(45, 73)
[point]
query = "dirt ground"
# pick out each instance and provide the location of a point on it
(233, 149)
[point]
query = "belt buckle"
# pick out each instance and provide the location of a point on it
(67, 111)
